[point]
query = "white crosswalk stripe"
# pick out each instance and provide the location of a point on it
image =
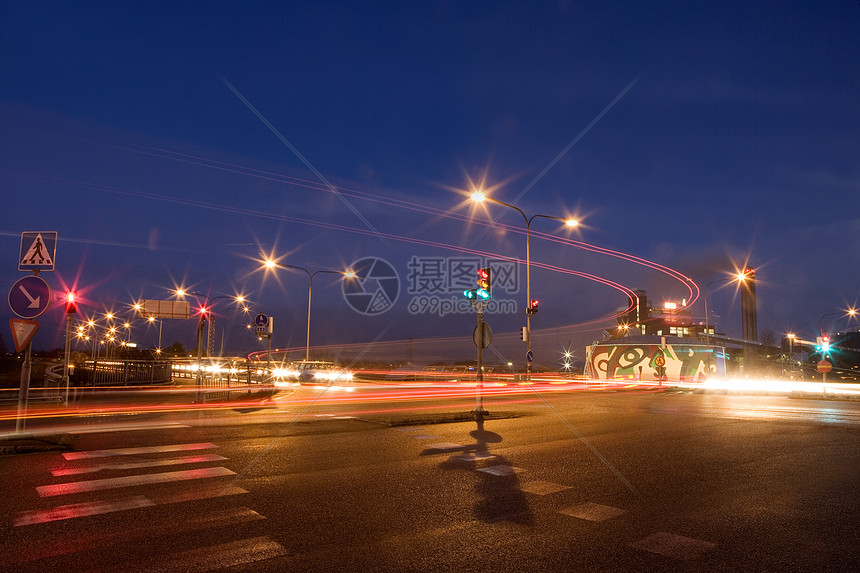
(171, 488)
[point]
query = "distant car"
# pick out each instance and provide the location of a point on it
(314, 371)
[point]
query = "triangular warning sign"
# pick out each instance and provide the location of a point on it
(22, 332)
(37, 254)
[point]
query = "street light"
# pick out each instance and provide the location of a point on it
(738, 277)
(850, 313)
(204, 309)
(272, 264)
(791, 336)
(480, 196)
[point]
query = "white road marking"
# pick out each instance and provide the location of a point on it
(674, 546)
(542, 487)
(101, 430)
(501, 471)
(137, 451)
(133, 465)
(129, 481)
(74, 510)
(444, 446)
(80, 510)
(221, 556)
(593, 511)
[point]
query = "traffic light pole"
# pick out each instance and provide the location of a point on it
(67, 354)
(479, 405)
(198, 395)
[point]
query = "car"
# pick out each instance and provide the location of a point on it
(314, 371)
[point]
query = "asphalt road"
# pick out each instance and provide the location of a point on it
(576, 481)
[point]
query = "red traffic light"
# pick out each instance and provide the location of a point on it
(533, 306)
(71, 302)
(485, 283)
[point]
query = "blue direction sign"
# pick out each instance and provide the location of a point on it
(30, 297)
(261, 319)
(37, 251)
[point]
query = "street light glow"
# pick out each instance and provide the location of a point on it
(571, 223)
(477, 196)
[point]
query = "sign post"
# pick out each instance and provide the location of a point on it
(482, 337)
(824, 367)
(29, 298)
(22, 335)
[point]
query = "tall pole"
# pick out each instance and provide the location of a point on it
(479, 406)
(308, 339)
(66, 355)
(199, 380)
(24, 391)
(528, 299)
(479, 196)
(311, 276)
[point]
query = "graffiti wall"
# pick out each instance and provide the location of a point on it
(683, 362)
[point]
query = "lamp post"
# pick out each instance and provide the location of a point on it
(349, 274)
(479, 196)
(791, 336)
(850, 313)
(739, 277)
(205, 308)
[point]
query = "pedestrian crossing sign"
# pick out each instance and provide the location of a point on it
(37, 251)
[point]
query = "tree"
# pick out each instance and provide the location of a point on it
(175, 349)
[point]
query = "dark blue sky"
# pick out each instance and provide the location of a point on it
(736, 141)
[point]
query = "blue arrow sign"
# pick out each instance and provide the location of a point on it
(30, 297)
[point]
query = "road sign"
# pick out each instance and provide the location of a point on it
(164, 309)
(261, 319)
(30, 297)
(530, 356)
(824, 366)
(660, 361)
(22, 332)
(37, 251)
(261, 329)
(483, 335)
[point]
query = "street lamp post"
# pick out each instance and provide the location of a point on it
(850, 313)
(311, 276)
(740, 277)
(791, 336)
(479, 196)
(205, 308)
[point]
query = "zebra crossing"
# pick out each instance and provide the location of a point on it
(125, 481)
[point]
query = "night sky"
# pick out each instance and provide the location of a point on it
(179, 144)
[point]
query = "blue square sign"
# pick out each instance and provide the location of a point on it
(38, 249)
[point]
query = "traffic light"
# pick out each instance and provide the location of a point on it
(485, 283)
(524, 334)
(71, 302)
(470, 293)
(533, 306)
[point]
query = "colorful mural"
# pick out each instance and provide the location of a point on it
(683, 362)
